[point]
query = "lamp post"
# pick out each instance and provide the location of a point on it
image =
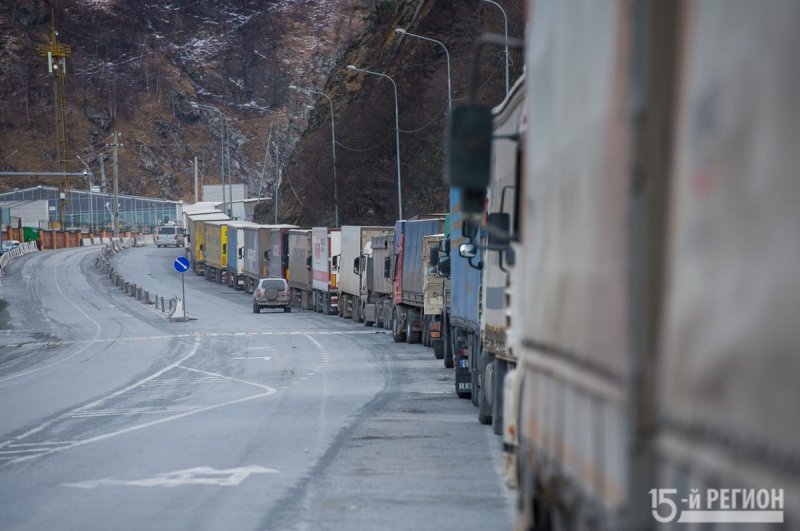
(223, 133)
(401, 31)
(397, 133)
(505, 25)
(333, 147)
(88, 174)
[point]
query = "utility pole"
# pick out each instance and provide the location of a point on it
(115, 160)
(277, 175)
(195, 179)
(102, 159)
(57, 54)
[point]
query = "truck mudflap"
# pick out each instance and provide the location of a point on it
(511, 384)
(370, 314)
(463, 376)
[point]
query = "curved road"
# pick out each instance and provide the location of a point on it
(112, 417)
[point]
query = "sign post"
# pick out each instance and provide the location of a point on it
(182, 265)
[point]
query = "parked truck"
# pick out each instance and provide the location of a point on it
(326, 244)
(278, 257)
(433, 289)
(195, 238)
(299, 275)
(376, 285)
(408, 276)
(498, 356)
(354, 238)
(256, 244)
(216, 249)
(236, 257)
(655, 257)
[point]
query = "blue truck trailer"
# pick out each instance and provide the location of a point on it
(462, 325)
(408, 276)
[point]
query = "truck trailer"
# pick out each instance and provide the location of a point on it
(654, 266)
(216, 249)
(326, 243)
(278, 257)
(195, 238)
(376, 285)
(354, 238)
(236, 245)
(408, 276)
(299, 275)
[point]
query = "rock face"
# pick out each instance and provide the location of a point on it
(138, 67)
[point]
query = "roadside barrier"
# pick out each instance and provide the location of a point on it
(172, 307)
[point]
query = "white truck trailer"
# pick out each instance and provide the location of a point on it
(326, 243)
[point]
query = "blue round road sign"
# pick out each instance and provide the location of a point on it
(181, 264)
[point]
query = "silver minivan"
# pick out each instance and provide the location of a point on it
(272, 293)
(169, 235)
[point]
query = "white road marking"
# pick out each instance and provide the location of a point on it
(265, 358)
(260, 386)
(260, 348)
(99, 401)
(192, 476)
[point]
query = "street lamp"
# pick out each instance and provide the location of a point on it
(505, 25)
(333, 147)
(397, 133)
(88, 174)
(401, 31)
(223, 133)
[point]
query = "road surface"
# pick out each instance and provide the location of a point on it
(112, 417)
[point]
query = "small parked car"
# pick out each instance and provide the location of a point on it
(169, 235)
(8, 245)
(272, 293)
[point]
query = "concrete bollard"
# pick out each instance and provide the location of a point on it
(133, 290)
(138, 293)
(146, 297)
(125, 286)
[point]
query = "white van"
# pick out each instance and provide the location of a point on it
(169, 235)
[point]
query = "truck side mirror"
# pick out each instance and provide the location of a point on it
(469, 228)
(335, 262)
(467, 250)
(444, 266)
(444, 247)
(308, 263)
(241, 252)
(387, 267)
(284, 261)
(266, 256)
(498, 225)
(356, 262)
(469, 147)
(202, 247)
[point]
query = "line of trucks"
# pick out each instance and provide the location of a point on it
(615, 284)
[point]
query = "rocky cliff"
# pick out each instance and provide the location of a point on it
(136, 68)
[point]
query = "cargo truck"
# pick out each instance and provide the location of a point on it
(326, 243)
(278, 257)
(236, 245)
(655, 260)
(376, 285)
(497, 355)
(408, 276)
(195, 238)
(354, 238)
(256, 244)
(216, 249)
(299, 275)
(433, 289)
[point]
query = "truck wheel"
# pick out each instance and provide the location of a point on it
(438, 348)
(484, 403)
(498, 385)
(411, 336)
(475, 387)
(449, 362)
(287, 309)
(256, 308)
(397, 336)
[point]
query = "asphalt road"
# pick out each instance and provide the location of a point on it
(112, 417)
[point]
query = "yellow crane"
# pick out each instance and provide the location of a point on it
(57, 54)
